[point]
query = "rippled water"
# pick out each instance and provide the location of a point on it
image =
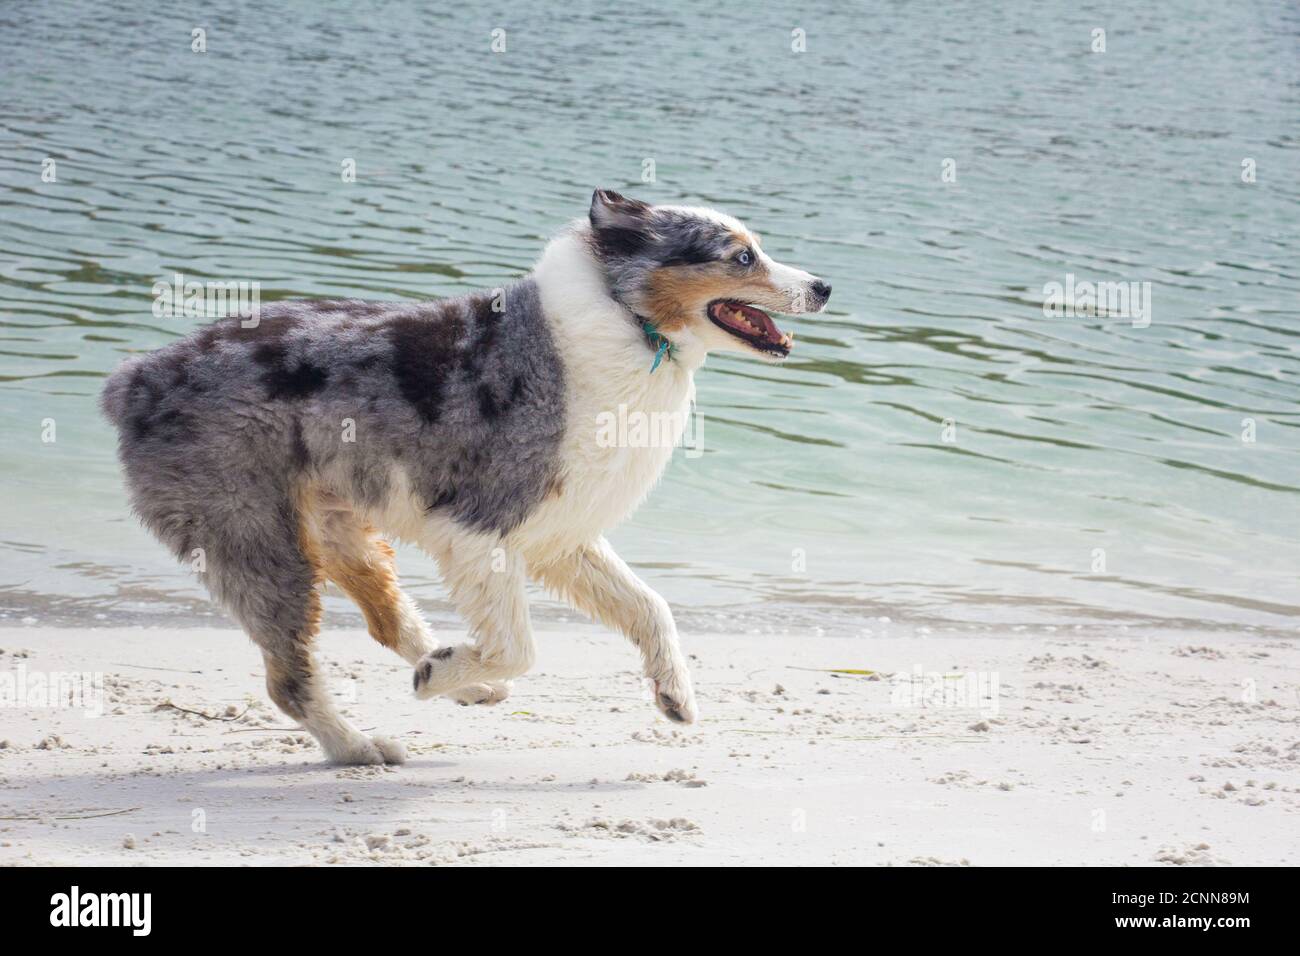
(1098, 471)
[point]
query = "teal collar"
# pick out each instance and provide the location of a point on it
(658, 342)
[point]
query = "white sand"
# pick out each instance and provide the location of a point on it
(1104, 751)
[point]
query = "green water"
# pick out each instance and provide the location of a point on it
(827, 495)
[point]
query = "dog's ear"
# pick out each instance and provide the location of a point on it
(620, 226)
(610, 210)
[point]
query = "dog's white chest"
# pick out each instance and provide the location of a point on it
(622, 433)
(621, 428)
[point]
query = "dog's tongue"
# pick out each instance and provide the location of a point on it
(748, 321)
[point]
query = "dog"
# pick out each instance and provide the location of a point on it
(284, 451)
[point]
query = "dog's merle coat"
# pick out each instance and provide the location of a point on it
(467, 392)
(265, 456)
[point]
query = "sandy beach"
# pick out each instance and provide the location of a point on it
(1031, 748)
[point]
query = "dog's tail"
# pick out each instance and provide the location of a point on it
(115, 398)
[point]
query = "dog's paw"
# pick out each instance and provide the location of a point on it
(487, 693)
(431, 673)
(393, 750)
(367, 751)
(675, 698)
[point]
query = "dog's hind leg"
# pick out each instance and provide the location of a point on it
(487, 586)
(240, 518)
(296, 686)
(361, 563)
(263, 567)
(596, 581)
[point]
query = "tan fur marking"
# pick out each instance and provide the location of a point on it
(372, 584)
(677, 295)
(289, 679)
(743, 238)
(353, 556)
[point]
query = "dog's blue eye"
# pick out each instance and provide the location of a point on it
(744, 258)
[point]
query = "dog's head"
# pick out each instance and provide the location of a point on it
(697, 270)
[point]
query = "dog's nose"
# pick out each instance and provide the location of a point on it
(821, 289)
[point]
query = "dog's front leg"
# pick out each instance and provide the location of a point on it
(487, 586)
(596, 581)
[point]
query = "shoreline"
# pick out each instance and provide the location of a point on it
(21, 610)
(1142, 750)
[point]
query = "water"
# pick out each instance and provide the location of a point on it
(1098, 475)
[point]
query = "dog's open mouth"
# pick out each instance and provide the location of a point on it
(752, 325)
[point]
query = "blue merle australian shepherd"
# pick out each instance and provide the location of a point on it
(473, 435)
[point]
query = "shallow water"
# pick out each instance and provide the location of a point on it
(1097, 470)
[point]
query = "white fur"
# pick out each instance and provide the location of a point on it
(793, 282)
(607, 364)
